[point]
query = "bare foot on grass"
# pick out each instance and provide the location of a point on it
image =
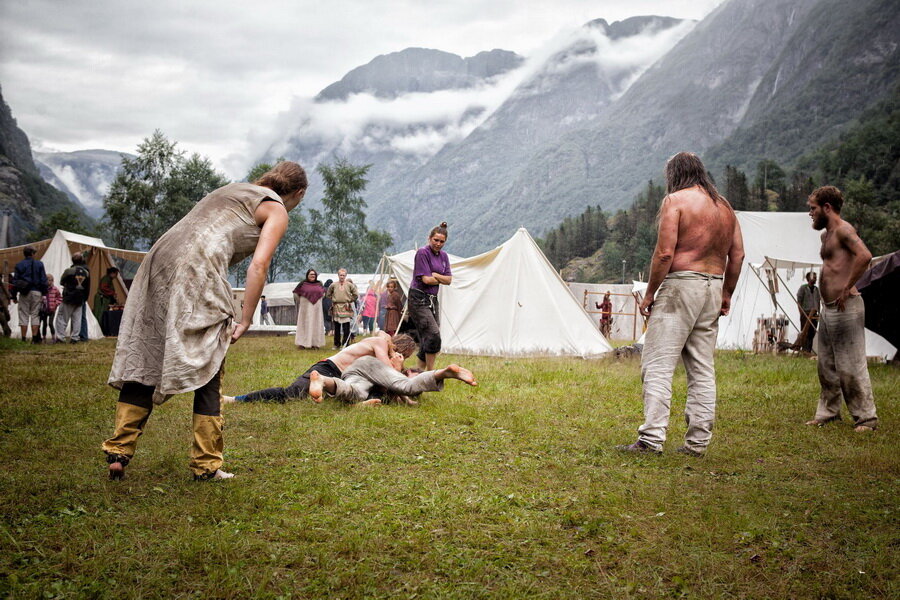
(228, 399)
(372, 402)
(315, 386)
(458, 372)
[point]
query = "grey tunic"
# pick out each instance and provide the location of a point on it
(177, 322)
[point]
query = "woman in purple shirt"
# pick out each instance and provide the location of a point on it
(431, 269)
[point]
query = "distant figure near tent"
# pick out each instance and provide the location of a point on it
(179, 319)
(310, 320)
(605, 309)
(843, 370)
(693, 273)
(431, 270)
(808, 299)
(106, 293)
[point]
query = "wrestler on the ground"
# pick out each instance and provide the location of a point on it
(431, 270)
(380, 346)
(179, 319)
(693, 273)
(843, 370)
(357, 382)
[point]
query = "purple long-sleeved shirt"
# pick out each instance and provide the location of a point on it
(426, 263)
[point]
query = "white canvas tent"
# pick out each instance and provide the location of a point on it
(56, 254)
(781, 247)
(509, 302)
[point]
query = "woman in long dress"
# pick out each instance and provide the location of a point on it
(394, 307)
(179, 319)
(310, 319)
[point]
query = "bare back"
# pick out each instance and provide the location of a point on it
(376, 346)
(706, 232)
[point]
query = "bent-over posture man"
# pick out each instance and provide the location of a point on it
(367, 372)
(380, 347)
(843, 371)
(693, 273)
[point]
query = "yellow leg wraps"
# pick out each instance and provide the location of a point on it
(130, 421)
(206, 451)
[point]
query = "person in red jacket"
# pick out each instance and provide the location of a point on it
(51, 301)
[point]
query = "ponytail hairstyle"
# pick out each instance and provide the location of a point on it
(441, 229)
(284, 179)
(685, 170)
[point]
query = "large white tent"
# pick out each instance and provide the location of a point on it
(509, 302)
(56, 254)
(781, 248)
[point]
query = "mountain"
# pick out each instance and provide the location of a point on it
(465, 183)
(84, 175)
(24, 197)
(393, 112)
(419, 70)
(593, 118)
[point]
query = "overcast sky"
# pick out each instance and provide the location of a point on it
(213, 75)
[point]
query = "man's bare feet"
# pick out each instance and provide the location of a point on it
(458, 372)
(315, 386)
(372, 402)
(228, 399)
(863, 428)
(815, 422)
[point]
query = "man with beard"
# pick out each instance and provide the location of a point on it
(693, 273)
(843, 371)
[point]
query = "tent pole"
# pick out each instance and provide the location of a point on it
(774, 297)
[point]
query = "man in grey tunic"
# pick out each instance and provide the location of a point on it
(693, 273)
(843, 371)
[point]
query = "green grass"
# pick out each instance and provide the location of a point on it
(510, 490)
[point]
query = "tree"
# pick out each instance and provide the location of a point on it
(66, 219)
(346, 241)
(736, 190)
(154, 190)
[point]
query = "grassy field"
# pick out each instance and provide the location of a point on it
(509, 490)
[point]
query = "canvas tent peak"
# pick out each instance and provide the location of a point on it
(509, 301)
(56, 254)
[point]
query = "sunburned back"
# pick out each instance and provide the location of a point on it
(705, 232)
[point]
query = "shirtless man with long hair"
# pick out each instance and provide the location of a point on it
(693, 273)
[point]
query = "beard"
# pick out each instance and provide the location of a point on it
(820, 223)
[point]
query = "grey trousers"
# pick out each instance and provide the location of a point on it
(684, 322)
(843, 371)
(65, 314)
(366, 372)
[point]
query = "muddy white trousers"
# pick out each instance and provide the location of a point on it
(684, 322)
(843, 371)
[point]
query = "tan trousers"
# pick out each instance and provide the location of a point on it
(684, 322)
(133, 410)
(843, 371)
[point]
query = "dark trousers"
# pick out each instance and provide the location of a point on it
(206, 399)
(298, 389)
(47, 320)
(341, 333)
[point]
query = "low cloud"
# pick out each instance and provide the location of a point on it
(418, 125)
